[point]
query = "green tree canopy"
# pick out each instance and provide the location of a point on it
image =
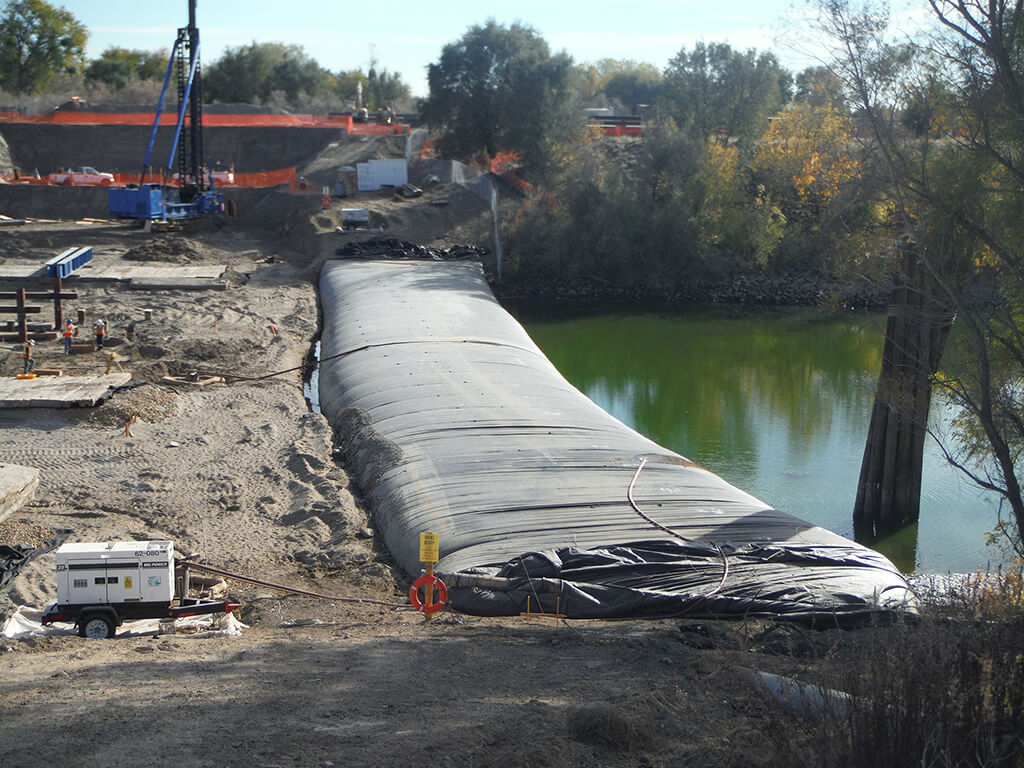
(119, 66)
(714, 89)
(384, 89)
(626, 82)
(500, 88)
(819, 86)
(37, 42)
(251, 73)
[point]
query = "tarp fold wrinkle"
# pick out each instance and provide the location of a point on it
(524, 479)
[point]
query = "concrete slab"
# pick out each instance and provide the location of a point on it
(17, 486)
(17, 270)
(58, 391)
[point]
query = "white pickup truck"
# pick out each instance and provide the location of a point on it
(82, 176)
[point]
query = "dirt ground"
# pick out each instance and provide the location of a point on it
(244, 474)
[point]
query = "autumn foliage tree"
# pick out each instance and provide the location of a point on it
(808, 163)
(738, 222)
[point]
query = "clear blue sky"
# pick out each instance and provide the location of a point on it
(406, 37)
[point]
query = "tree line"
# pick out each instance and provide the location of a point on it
(42, 51)
(742, 165)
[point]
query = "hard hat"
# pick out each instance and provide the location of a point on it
(32, 342)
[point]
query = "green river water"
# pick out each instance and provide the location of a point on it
(777, 404)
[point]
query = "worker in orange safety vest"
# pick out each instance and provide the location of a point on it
(69, 335)
(29, 361)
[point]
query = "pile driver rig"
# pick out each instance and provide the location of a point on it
(194, 194)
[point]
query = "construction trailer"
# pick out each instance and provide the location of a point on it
(374, 174)
(194, 194)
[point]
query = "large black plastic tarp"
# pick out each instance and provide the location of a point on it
(14, 557)
(453, 421)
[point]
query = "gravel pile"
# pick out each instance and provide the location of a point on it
(778, 290)
(150, 403)
(168, 248)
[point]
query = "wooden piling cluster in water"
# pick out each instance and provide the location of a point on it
(889, 489)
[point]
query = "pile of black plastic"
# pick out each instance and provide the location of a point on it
(393, 248)
(14, 557)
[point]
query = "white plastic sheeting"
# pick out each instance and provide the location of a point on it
(26, 622)
(452, 420)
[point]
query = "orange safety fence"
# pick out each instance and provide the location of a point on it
(210, 120)
(619, 130)
(255, 179)
(504, 161)
(267, 179)
(503, 166)
(513, 179)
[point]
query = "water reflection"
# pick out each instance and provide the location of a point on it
(777, 404)
(900, 547)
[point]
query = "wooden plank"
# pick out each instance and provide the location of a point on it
(17, 486)
(196, 381)
(145, 272)
(11, 295)
(36, 335)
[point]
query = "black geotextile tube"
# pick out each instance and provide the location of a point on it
(451, 420)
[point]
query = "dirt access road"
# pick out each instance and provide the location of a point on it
(245, 474)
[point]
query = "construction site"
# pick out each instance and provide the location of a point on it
(176, 430)
(274, 368)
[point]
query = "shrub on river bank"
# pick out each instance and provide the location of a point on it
(944, 690)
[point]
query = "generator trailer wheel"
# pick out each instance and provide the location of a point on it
(96, 627)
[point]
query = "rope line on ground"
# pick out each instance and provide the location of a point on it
(314, 363)
(293, 590)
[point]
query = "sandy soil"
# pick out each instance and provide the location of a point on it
(244, 474)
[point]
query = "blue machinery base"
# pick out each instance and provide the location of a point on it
(148, 203)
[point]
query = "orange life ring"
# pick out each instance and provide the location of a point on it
(440, 594)
(325, 201)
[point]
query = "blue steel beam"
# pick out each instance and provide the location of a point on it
(159, 111)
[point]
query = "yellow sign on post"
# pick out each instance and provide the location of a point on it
(429, 547)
